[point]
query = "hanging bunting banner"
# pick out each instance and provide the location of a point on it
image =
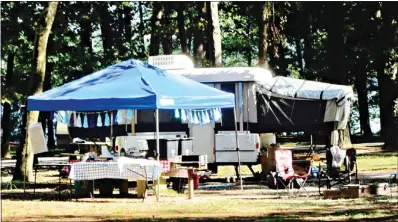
(198, 116)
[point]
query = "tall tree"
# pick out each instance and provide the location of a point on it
(199, 36)
(262, 21)
(25, 160)
(388, 88)
(6, 123)
(85, 37)
(106, 31)
(167, 30)
(363, 105)
(157, 15)
(335, 46)
(181, 7)
(214, 35)
(141, 30)
(10, 25)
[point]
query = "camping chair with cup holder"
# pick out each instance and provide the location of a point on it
(285, 176)
(341, 168)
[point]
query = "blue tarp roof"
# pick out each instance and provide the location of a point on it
(131, 84)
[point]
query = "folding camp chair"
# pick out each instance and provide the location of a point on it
(336, 175)
(285, 174)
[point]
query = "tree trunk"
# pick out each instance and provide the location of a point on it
(199, 36)
(6, 118)
(363, 105)
(337, 72)
(308, 52)
(141, 31)
(167, 38)
(128, 17)
(106, 31)
(214, 39)
(190, 30)
(157, 15)
(49, 121)
(119, 37)
(181, 27)
(262, 20)
(345, 138)
(85, 38)
(25, 163)
(388, 87)
(249, 47)
(299, 57)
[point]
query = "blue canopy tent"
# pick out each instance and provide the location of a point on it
(131, 84)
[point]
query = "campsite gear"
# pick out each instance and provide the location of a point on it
(285, 173)
(332, 175)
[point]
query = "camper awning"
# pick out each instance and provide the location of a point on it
(131, 84)
(227, 74)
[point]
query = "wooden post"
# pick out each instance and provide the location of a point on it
(190, 183)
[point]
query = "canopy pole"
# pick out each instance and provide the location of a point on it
(237, 149)
(157, 152)
(111, 137)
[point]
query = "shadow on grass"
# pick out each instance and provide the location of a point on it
(315, 215)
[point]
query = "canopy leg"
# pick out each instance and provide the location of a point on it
(237, 149)
(157, 153)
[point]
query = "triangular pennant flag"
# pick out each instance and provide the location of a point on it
(72, 120)
(183, 116)
(130, 114)
(206, 119)
(176, 113)
(107, 120)
(66, 117)
(211, 115)
(195, 118)
(119, 116)
(114, 118)
(85, 121)
(91, 120)
(99, 120)
(217, 114)
(58, 117)
(79, 121)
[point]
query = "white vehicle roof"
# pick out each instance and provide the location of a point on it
(230, 74)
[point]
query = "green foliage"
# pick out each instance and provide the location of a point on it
(300, 31)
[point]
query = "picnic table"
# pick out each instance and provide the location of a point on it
(140, 170)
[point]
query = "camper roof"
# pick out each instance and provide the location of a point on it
(231, 74)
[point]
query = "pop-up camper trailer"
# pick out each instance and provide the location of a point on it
(266, 103)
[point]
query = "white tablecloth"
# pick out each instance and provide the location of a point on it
(124, 168)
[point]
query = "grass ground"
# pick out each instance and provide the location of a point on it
(249, 205)
(255, 203)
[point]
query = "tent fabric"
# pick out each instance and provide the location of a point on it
(131, 84)
(337, 96)
(305, 89)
